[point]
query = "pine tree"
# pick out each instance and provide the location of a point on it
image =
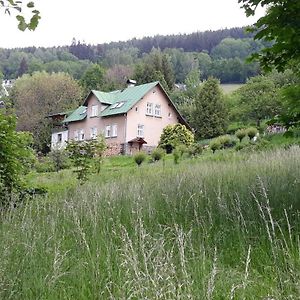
(209, 116)
(23, 67)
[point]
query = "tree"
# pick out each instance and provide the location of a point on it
(82, 154)
(15, 156)
(280, 25)
(12, 5)
(209, 115)
(174, 135)
(93, 79)
(23, 67)
(259, 100)
(37, 96)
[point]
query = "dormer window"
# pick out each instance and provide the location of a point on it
(117, 105)
(94, 112)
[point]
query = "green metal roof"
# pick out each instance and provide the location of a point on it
(103, 97)
(77, 115)
(126, 99)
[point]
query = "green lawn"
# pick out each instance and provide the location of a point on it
(223, 226)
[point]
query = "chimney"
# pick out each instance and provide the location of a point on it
(130, 83)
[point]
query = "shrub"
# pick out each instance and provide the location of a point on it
(240, 134)
(195, 150)
(59, 159)
(44, 165)
(181, 149)
(139, 157)
(251, 132)
(176, 155)
(214, 145)
(157, 154)
(174, 135)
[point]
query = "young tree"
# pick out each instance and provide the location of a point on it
(209, 115)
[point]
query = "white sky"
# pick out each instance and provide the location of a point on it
(99, 21)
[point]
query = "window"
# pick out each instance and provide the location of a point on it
(169, 115)
(157, 110)
(114, 130)
(120, 104)
(59, 137)
(93, 133)
(76, 135)
(107, 131)
(94, 112)
(114, 105)
(81, 135)
(140, 130)
(149, 110)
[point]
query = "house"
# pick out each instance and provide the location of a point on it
(130, 119)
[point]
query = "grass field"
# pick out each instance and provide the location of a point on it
(220, 227)
(228, 88)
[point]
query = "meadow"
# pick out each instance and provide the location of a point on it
(223, 226)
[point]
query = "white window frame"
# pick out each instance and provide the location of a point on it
(76, 135)
(157, 110)
(59, 141)
(81, 135)
(107, 131)
(114, 130)
(94, 110)
(140, 130)
(94, 133)
(149, 109)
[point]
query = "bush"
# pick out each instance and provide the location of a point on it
(181, 149)
(176, 155)
(44, 165)
(226, 141)
(59, 159)
(251, 132)
(139, 158)
(195, 150)
(215, 145)
(157, 154)
(174, 135)
(240, 134)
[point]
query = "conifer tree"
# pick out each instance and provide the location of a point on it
(209, 116)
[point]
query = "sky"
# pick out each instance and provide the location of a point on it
(99, 21)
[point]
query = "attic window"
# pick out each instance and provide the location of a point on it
(117, 105)
(83, 112)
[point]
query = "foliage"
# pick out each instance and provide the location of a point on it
(240, 134)
(258, 99)
(157, 154)
(13, 5)
(251, 132)
(174, 135)
(209, 116)
(195, 150)
(59, 159)
(139, 158)
(93, 79)
(176, 155)
(280, 26)
(215, 145)
(82, 154)
(16, 157)
(37, 96)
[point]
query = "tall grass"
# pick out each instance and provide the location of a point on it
(201, 230)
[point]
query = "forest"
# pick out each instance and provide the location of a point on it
(218, 53)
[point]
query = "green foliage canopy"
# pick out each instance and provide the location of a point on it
(174, 135)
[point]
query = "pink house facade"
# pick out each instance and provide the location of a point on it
(130, 120)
